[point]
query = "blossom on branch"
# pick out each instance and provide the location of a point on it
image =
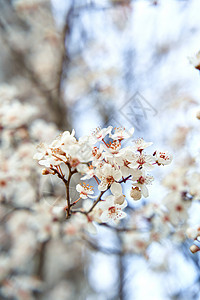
(85, 190)
(109, 164)
(111, 210)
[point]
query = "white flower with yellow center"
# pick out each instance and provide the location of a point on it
(85, 191)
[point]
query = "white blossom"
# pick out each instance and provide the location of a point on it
(163, 158)
(121, 133)
(99, 134)
(140, 144)
(85, 191)
(111, 210)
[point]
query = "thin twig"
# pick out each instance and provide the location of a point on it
(121, 290)
(41, 260)
(124, 179)
(97, 201)
(94, 246)
(67, 185)
(14, 209)
(93, 206)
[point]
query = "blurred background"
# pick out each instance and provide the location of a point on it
(82, 64)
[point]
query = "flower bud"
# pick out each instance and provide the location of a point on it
(74, 162)
(120, 199)
(46, 172)
(194, 249)
(135, 193)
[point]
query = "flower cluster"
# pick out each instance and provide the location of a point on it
(18, 133)
(29, 224)
(102, 157)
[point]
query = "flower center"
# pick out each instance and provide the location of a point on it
(141, 180)
(112, 210)
(141, 161)
(179, 208)
(110, 179)
(74, 162)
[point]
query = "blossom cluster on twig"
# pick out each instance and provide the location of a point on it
(108, 162)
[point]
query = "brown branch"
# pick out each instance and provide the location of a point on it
(124, 179)
(65, 59)
(14, 209)
(93, 206)
(121, 277)
(78, 210)
(67, 185)
(124, 229)
(68, 195)
(41, 260)
(97, 201)
(62, 177)
(55, 101)
(122, 270)
(94, 246)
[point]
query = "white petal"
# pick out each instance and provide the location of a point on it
(120, 215)
(123, 205)
(117, 175)
(105, 217)
(125, 171)
(116, 189)
(92, 197)
(144, 190)
(102, 186)
(38, 156)
(131, 131)
(91, 228)
(79, 188)
(108, 202)
(45, 163)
